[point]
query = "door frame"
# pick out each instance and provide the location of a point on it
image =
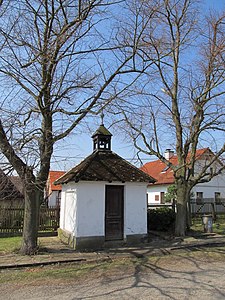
(121, 188)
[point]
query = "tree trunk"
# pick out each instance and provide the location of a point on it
(189, 222)
(31, 217)
(181, 216)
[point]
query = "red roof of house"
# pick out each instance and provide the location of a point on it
(53, 175)
(159, 170)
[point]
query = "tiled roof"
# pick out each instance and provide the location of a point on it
(105, 166)
(102, 131)
(161, 172)
(52, 177)
(17, 183)
(8, 190)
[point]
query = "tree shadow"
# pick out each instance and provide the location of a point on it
(179, 276)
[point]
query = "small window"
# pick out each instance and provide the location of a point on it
(199, 197)
(162, 198)
(156, 197)
(165, 169)
(217, 198)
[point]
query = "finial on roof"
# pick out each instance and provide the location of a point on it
(102, 118)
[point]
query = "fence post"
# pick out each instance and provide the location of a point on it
(174, 205)
(213, 212)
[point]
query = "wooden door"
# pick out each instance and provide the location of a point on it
(114, 204)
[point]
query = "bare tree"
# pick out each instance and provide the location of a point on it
(179, 101)
(58, 63)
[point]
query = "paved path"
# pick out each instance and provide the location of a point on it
(169, 277)
(55, 252)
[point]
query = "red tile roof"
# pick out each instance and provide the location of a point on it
(53, 175)
(164, 175)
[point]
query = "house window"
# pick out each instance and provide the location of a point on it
(156, 197)
(217, 198)
(199, 197)
(162, 197)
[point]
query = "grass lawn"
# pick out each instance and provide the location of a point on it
(218, 225)
(10, 244)
(67, 272)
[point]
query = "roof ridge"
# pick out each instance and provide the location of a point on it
(105, 166)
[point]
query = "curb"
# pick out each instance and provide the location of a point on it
(207, 244)
(54, 262)
(110, 257)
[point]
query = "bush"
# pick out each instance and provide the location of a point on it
(161, 219)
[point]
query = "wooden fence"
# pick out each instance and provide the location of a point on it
(11, 220)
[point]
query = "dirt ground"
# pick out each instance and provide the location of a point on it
(190, 274)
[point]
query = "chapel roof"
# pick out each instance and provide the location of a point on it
(105, 166)
(102, 131)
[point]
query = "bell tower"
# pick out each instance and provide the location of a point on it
(102, 139)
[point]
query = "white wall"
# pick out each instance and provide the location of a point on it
(84, 213)
(217, 184)
(62, 208)
(135, 206)
(68, 209)
(52, 198)
(90, 209)
(155, 190)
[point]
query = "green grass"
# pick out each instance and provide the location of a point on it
(218, 225)
(66, 273)
(10, 244)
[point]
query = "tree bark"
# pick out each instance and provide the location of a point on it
(182, 200)
(31, 215)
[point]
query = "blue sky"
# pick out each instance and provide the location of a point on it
(215, 4)
(77, 147)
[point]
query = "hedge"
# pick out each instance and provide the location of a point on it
(161, 219)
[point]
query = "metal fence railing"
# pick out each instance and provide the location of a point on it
(198, 206)
(207, 206)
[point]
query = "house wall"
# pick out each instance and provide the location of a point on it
(154, 190)
(82, 213)
(217, 184)
(53, 199)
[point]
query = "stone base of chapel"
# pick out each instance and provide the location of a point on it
(98, 242)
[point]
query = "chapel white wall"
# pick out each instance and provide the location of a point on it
(84, 215)
(135, 209)
(68, 209)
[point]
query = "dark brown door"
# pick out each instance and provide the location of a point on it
(114, 212)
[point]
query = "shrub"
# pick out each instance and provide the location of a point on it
(161, 219)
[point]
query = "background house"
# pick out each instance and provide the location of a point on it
(103, 198)
(53, 192)
(11, 191)
(212, 191)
